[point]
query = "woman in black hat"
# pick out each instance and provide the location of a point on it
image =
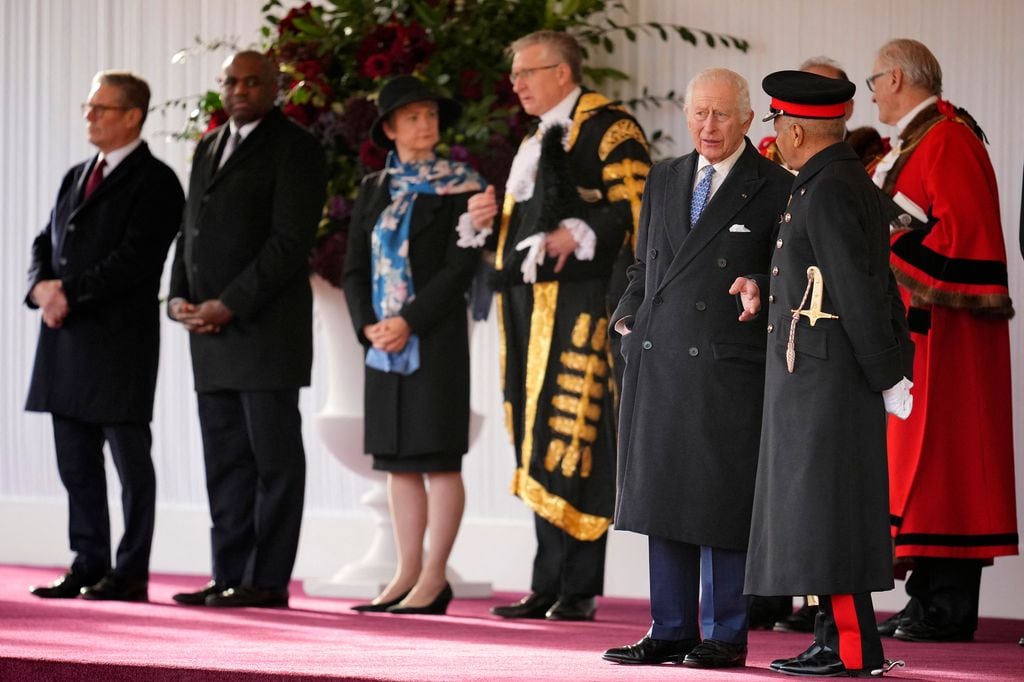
(405, 282)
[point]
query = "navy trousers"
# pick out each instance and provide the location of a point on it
(697, 591)
(80, 462)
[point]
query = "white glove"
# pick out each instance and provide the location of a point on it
(534, 256)
(898, 401)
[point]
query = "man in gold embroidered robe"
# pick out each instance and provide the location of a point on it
(570, 206)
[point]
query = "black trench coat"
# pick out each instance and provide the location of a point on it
(821, 512)
(690, 414)
(427, 411)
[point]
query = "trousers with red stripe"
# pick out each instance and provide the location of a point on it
(846, 624)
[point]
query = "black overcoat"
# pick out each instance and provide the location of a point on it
(427, 411)
(690, 413)
(248, 230)
(108, 251)
(821, 512)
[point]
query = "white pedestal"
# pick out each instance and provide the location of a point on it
(340, 426)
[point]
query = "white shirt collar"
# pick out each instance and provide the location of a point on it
(722, 168)
(118, 155)
(243, 131)
(909, 116)
(562, 110)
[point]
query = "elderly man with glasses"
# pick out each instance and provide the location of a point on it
(571, 203)
(95, 274)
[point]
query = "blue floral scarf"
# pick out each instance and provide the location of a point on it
(389, 246)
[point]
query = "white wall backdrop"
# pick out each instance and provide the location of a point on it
(50, 50)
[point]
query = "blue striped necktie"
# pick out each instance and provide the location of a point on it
(700, 195)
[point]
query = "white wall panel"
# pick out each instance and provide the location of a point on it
(50, 50)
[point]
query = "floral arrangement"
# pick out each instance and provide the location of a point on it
(334, 57)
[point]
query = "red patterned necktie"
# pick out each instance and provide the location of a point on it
(95, 178)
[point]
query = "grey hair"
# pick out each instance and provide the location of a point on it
(829, 129)
(828, 63)
(718, 75)
(565, 47)
(134, 90)
(916, 61)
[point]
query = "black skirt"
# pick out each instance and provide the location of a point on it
(431, 462)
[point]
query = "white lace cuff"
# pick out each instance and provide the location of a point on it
(586, 240)
(469, 236)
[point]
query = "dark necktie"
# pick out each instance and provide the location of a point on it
(95, 178)
(700, 195)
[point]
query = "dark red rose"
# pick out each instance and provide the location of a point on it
(310, 68)
(471, 84)
(359, 114)
(297, 113)
(377, 66)
(371, 156)
(287, 23)
(218, 117)
(328, 257)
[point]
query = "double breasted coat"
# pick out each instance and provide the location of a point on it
(108, 251)
(690, 414)
(426, 412)
(821, 515)
(246, 238)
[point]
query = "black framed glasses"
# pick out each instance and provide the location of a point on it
(528, 73)
(870, 80)
(100, 109)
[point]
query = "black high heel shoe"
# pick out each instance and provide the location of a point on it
(381, 606)
(438, 607)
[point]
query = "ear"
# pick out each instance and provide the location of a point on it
(563, 73)
(798, 134)
(896, 74)
(133, 118)
(389, 130)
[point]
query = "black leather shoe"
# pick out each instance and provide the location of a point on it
(533, 605)
(824, 663)
(116, 588)
(573, 608)
(650, 651)
(764, 612)
(199, 598)
(714, 653)
(438, 607)
(801, 620)
(927, 630)
(812, 650)
(887, 628)
(68, 586)
(377, 607)
(249, 596)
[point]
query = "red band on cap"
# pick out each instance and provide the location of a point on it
(810, 110)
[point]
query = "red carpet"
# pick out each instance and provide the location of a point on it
(323, 639)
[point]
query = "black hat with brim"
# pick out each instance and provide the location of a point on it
(403, 90)
(807, 95)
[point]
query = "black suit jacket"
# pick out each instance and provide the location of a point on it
(108, 251)
(690, 412)
(246, 238)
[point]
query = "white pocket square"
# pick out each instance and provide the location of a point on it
(739, 228)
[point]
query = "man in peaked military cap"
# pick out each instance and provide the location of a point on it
(834, 367)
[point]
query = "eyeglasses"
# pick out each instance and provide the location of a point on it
(870, 80)
(100, 109)
(231, 82)
(528, 73)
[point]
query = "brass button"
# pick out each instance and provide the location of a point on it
(778, 243)
(771, 328)
(771, 298)
(775, 271)
(648, 345)
(787, 217)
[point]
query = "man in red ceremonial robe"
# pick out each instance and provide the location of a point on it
(951, 463)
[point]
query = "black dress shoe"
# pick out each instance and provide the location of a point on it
(573, 608)
(714, 653)
(650, 651)
(812, 650)
(377, 607)
(533, 605)
(249, 596)
(887, 628)
(68, 586)
(801, 620)
(927, 630)
(824, 663)
(116, 588)
(199, 598)
(438, 607)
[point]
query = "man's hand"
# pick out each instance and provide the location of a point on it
(49, 296)
(389, 335)
(750, 297)
(560, 244)
(482, 208)
(208, 317)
